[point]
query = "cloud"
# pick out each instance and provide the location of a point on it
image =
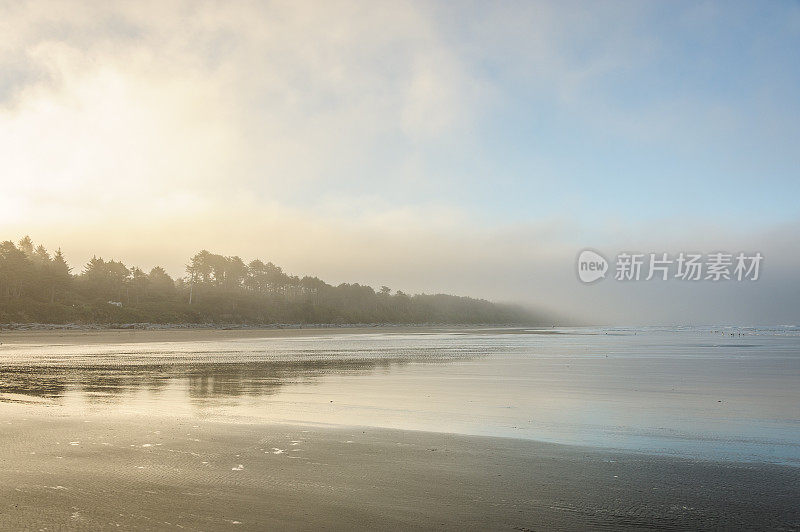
(205, 97)
(420, 145)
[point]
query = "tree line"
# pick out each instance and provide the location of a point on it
(39, 286)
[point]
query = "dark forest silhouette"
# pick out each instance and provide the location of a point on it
(37, 286)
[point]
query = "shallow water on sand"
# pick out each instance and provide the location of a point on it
(696, 392)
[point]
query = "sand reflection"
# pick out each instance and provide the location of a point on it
(199, 382)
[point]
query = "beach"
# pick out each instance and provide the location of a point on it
(92, 335)
(175, 474)
(399, 428)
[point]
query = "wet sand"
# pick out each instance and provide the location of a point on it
(160, 473)
(97, 433)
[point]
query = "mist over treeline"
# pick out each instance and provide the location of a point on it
(39, 286)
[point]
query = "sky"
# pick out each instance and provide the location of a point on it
(472, 148)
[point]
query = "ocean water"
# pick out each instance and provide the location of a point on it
(697, 392)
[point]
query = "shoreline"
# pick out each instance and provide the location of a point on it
(147, 326)
(48, 334)
(198, 474)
